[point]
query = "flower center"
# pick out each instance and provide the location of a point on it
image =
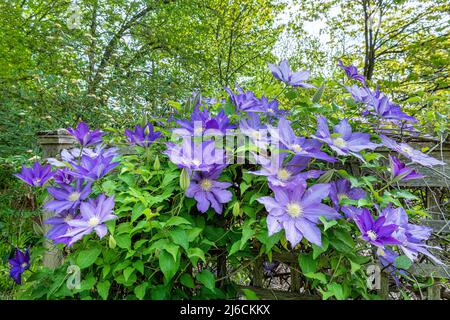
(270, 110)
(68, 218)
(37, 180)
(94, 221)
(381, 252)
(196, 162)
(198, 130)
(406, 149)
(342, 196)
(206, 184)
(372, 235)
(339, 142)
(74, 196)
(296, 147)
(256, 134)
(24, 265)
(294, 209)
(283, 174)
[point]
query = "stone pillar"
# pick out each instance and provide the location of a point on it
(52, 143)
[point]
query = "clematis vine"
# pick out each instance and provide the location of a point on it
(297, 209)
(352, 72)
(36, 176)
(68, 197)
(142, 136)
(343, 141)
(410, 153)
(208, 191)
(342, 189)
(283, 72)
(84, 136)
(376, 231)
(399, 171)
(300, 146)
(93, 215)
(19, 263)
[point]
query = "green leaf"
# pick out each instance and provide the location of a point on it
(307, 263)
(108, 187)
(250, 294)
(175, 221)
(235, 247)
(139, 291)
(128, 272)
(86, 258)
(317, 251)
(318, 276)
(327, 224)
(123, 241)
(103, 289)
(196, 253)
(247, 232)
(180, 237)
(403, 262)
(168, 265)
(172, 249)
(187, 281)
(139, 266)
(207, 279)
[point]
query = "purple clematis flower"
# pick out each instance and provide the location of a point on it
(375, 231)
(387, 258)
(93, 215)
(284, 73)
(202, 123)
(297, 210)
(410, 237)
(75, 154)
(19, 263)
(342, 189)
(195, 156)
(142, 136)
(343, 141)
(352, 72)
(84, 136)
(280, 174)
(63, 176)
(93, 168)
(68, 197)
(36, 176)
(301, 146)
(399, 171)
(207, 191)
(410, 153)
(257, 132)
(272, 109)
(60, 226)
(384, 108)
(350, 211)
(246, 101)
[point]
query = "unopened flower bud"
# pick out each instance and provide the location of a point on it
(184, 179)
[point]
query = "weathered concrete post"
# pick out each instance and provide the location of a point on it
(52, 143)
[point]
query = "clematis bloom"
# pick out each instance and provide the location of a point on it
(36, 176)
(283, 72)
(297, 210)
